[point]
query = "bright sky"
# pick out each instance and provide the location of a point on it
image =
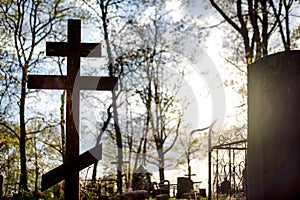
(212, 101)
(207, 65)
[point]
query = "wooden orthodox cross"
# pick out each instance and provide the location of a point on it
(73, 49)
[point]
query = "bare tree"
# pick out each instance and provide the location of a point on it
(137, 53)
(156, 83)
(29, 23)
(104, 11)
(256, 21)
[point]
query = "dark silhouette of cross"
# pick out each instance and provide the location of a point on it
(73, 49)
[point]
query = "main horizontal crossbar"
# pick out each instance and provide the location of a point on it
(84, 82)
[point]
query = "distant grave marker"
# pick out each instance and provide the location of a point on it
(273, 167)
(73, 50)
(184, 187)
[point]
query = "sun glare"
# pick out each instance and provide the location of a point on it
(173, 7)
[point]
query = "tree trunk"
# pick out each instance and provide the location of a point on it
(265, 24)
(119, 143)
(287, 7)
(36, 185)
(62, 124)
(161, 163)
(104, 127)
(23, 175)
(104, 9)
(94, 174)
(129, 165)
(161, 167)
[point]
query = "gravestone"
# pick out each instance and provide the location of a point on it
(184, 187)
(73, 49)
(273, 167)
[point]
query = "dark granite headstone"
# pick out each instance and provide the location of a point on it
(202, 192)
(184, 187)
(273, 168)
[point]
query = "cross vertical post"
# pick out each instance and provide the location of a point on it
(72, 112)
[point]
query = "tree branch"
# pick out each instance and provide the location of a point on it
(228, 19)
